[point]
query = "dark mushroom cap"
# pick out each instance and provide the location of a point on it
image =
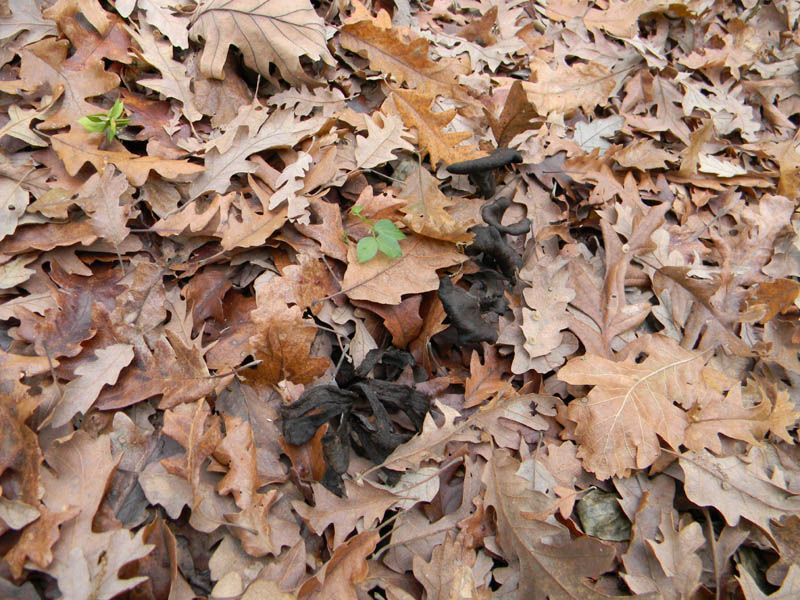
(497, 159)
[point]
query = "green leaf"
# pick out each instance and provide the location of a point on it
(386, 228)
(389, 246)
(116, 110)
(92, 126)
(356, 210)
(367, 248)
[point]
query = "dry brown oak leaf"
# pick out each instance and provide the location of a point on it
(266, 32)
(384, 280)
(282, 341)
(632, 404)
(44, 63)
(407, 62)
(415, 110)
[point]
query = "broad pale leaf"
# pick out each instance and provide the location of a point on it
(384, 280)
(174, 82)
(265, 31)
(632, 404)
(80, 393)
(280, 130)
(738, 486)
(385, 134)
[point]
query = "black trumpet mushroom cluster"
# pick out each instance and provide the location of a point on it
(499, 260)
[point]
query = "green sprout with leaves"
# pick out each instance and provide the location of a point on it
(108, 122)
(385, 237)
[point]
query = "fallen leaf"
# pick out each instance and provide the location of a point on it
(384, 280)
(256, 27)
(632, 405)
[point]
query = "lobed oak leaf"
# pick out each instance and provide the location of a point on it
(426, 210)
(486, 378)
(643, 155)
(790, 586)
(547, 570)
(414, 108)
(90, 9)
(280, 130)
(282, 340)
(677, 554)
(100, 198)
(786, 534)
(37, 540)
(568, 88)
(605, 302)
(15, 272)
(326, 229)
(174, 82)
(78, 147)
(361, 501)
(385, 135)
(43, 63)
(194, 428)
(406, 62)
(253, 229)
(237, 451)
(346, 568)
(19, 124)
(303, 100)
(265, 527)
(738, 486)
(80, 393)
(545, 316)
(91, 47)
(732, 416)
(96, 574)
(266, 32)
(632, 405)
(516, 116)
(402, 320)
(201, 218)
(449, 573)
(163, 15)
(384, 280)
(429, 444)
(25, 23)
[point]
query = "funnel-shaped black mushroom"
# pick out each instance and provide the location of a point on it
(480, 169)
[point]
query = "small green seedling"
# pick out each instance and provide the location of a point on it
(108, 122)
(385, 237)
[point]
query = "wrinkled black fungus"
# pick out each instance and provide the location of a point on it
(492, 214)
(492, 299)
(480, 170)
(489, 242)
(464, 311)
(500, 157)
(357, 415)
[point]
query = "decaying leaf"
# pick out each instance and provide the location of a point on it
(273, 32)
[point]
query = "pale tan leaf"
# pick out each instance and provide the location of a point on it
(14, 272)
(384, 280)
(265, 31)
(174, 82)
(406, 62)
(426, 209)
(632, 405)
(280, 130)
(568, 88)
(385, 134)
(81, 392)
